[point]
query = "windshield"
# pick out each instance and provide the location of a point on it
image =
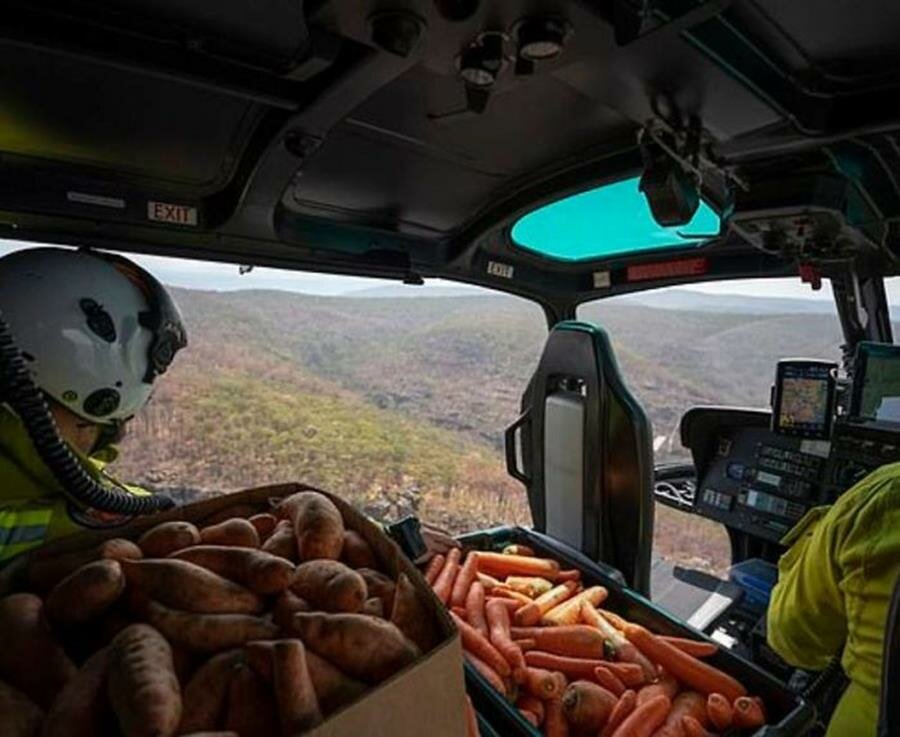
(714, 344)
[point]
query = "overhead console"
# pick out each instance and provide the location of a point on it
(759, 472)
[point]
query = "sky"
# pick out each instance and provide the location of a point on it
(225, 277)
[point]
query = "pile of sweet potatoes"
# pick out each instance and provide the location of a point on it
(544, 641)
(258, 625)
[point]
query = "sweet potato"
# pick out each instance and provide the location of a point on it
(204, 696)
(260, 572)
(31, 660)
(44, 570)
(79, 709)
(364, 647)
(587, 706)
(282, 542)
(411, 616)
(207, 632)
(356, 552)
(86, 593)
(217, 733)
(377, 584)
(374, 607)
(142, 686)
(235, 510)
(330, 586)
(265, 524)
(237, 531)
(251, 709)
(318, 525)
(298, 705)
(333, 688)
(19, 716)
(189, 587)
(286, 606)
(167, 537)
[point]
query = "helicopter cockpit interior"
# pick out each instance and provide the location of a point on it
(417, 139)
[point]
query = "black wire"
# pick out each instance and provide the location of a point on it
(17, 388)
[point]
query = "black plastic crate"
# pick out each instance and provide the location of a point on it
(789, 714)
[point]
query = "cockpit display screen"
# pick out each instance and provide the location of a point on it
(804, 398)
(876, 394)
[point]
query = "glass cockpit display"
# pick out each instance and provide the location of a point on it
(876, 390)
(804, 398)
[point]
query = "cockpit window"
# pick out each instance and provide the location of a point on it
(611, 220)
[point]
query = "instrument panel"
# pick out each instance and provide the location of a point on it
(761, 483)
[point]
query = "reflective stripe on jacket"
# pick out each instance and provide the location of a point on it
(32, 506)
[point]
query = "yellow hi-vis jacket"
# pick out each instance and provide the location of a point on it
(32, 506)
(834, 591)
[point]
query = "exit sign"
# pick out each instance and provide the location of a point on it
(167, 212)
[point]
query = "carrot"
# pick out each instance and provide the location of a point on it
(697, 648)
(615, 620)
(719, 711)
(692, 728)
(487, 581)
(577, 640)
(587, 706)
(531, 613)
(526, 645)
(512, 605)
(464, 580)
(687, 669)
(645, 719)
(443, 584)
(531, 586)
(622, 649)
(478, 644)
(748, 713)
(499, 635)
(543, 684)
(630, 674)
(555, 724)
(434, 567)
(506, 592)
(471, 719)
(569, 612)
(624, 706)
(489, 674)
(531, 703)
(570, 667)
(530, 717)
(518, 549)
(475, 608)
(500, 565)
(665, 686)
(610, 682)
(569, 575)
(686, 704)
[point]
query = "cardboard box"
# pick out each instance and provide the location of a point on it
(425, 698)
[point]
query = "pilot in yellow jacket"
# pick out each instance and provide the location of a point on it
(834, 590)
(95, 331)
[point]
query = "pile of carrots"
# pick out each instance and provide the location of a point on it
(542, 639)
(250, 624)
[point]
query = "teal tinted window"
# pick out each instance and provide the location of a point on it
(608, 221)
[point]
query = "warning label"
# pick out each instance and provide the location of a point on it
(166, 212)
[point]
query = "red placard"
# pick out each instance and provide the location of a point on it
(668, 269)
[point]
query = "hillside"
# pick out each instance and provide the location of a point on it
(400, 403)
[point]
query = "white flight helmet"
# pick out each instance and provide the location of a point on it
(95, 328)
